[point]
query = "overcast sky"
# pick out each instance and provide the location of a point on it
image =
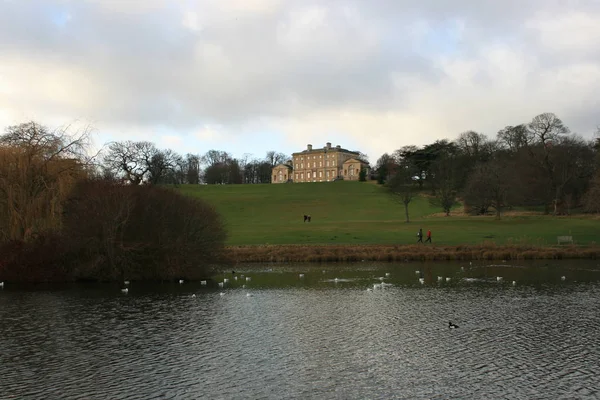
(247, 76)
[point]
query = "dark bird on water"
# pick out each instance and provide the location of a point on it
(451, 325)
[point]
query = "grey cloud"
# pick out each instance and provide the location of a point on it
(149, 70)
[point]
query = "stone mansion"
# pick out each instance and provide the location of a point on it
(321, 165)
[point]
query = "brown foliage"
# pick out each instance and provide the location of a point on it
(37, 171)
(591, 200)
(42, 259)
(394, 253)
(142, 232)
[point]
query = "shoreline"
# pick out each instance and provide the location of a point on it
(398, 253)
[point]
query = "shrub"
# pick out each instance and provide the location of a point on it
(141, 232)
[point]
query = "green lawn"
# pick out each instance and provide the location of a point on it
(362, 213)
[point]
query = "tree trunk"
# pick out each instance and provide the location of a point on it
(406, 211)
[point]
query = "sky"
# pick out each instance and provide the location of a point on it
(249, 76)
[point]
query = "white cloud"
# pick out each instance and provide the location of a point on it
(572, 31)
(209, 133)
(372, 76)
(191, 21)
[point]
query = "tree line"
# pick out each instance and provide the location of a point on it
(142, 162)
(540, 164)
(63, 217)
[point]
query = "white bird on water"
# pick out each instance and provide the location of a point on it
(448, 279)
(562, 278)
(301, 275)
(220, 284)
(125, 290)
(225, 280)
(514, 283)
(440, 278)
(499, 278)
(126, 283)
(203, 283)
(180, 281)
(387, 274)
(422, 280)
(248, 279)
(193, 295)
(1, 284)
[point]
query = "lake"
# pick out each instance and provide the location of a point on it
(329, 334)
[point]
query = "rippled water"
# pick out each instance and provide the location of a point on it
(289, 337)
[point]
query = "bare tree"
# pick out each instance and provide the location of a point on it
(547, 127)
(444, 181)
(572, 161)
(385, 167)
(274, 158)
(591, 200)
(162, 167)
(403, 186)
(38, 167)
(131, 160)
(192, 165)
(213, 157)
(471, 143)
(489, 185)
(546, 131)
(514, 138)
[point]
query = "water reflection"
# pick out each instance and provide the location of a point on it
(311, 336)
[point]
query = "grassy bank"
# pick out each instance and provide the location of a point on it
(359, 213)
(391, 253)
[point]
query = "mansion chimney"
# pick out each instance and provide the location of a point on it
(309, 147)
(328, 145)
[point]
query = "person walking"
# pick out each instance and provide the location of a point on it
(428, 236)
(420, 236)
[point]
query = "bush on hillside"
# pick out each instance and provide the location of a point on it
(41, 259)
(117, 232)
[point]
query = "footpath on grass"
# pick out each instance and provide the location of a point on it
(398, 253)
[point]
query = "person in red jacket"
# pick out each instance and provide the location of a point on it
(428, 236)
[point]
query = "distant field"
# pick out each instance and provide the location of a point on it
(362, 213)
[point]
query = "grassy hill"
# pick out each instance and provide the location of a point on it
(362, 213)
